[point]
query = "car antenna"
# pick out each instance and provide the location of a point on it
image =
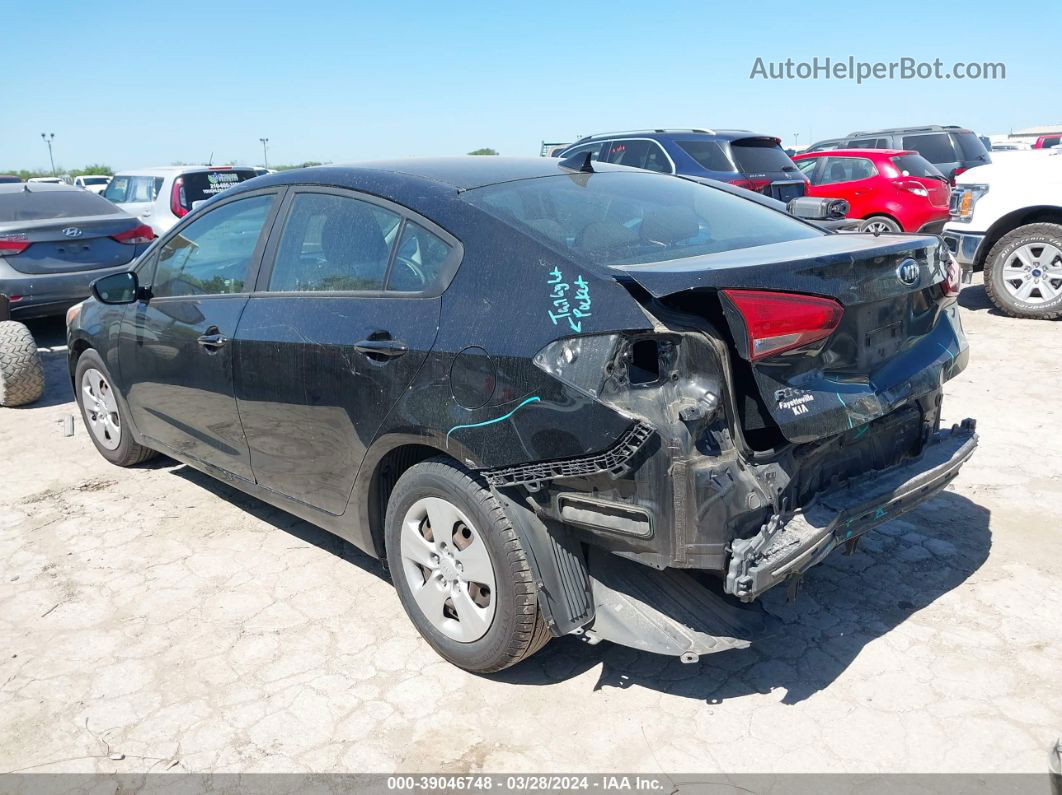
(210, 162)
(577, 162)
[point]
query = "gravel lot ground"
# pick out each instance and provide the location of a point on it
(154, 619)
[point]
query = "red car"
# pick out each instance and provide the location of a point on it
(1048, 141)
(891, 190)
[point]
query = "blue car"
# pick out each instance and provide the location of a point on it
(739, 157)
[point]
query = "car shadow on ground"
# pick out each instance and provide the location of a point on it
(843, 604)
(280, 519)
(974, 298)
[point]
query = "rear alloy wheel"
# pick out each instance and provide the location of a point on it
(879, 224)
(21, 372)
(1023, 272)
(105, 414)
(460, 569)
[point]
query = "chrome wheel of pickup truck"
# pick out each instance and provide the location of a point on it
(1023, 272)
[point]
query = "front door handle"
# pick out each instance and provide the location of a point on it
(382, 348)
(211, 342)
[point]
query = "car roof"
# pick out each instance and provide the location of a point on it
(916, 128)
(731, 134)
(37, 187)
(460, 173)
(856, 152)
(165, 171)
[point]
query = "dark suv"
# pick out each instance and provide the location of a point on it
(951, 149)
(545, 396)
(740, 157)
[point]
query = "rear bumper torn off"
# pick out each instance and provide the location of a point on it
(789, 546)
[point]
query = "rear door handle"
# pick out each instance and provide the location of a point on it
(212, 341)
(386, 348)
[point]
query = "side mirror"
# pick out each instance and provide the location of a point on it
(811, 208)
(118, 288)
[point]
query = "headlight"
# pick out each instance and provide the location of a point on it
(963, 200)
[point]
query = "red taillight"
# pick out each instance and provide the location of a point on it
(138, 234)
(13, 244)
(952, 283)
(177, 198)
(755, 185)
(776, 322)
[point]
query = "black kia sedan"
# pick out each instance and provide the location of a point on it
(557, 397)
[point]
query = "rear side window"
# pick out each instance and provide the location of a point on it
(593, 148)
(935, 147)
(868, 143)
(201, 185)
(333, 243)
(756, 156)
(970, 146)
(708, 154)
(41, 205)
(915, 166)
(639, 154)
(211, 255)
(419, 261)
(845, 169)
(617, 218)
(133, 189)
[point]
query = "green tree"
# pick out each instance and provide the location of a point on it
(92, 168)
(484, 151)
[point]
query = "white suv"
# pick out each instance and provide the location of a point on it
(1007, 218)
(160, 197)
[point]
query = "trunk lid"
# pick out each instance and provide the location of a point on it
(67, 245)
(897, 339)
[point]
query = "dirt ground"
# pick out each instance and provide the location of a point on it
(154, 619)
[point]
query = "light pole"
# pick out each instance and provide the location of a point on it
(796, 140)
(265, 157)
(48, 141)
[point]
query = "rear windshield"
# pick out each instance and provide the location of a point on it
(41, 205)
(758, 157)
(615, 218)
(95, 180)
(915, 166)
(934, 147)
(971, 146)
(709, 154)
(201, 185)
(133, 188)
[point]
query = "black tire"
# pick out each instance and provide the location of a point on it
(128, 452)
(21, 372)
(890, 225)
(518, 629)
(995, 284)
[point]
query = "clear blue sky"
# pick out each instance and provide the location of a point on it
(137, 84)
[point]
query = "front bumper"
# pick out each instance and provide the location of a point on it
(788, 547)
(41, 295)
(966, 246)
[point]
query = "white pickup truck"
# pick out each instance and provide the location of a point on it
(1007, 218)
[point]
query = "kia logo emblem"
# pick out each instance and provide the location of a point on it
(72, 231)
(907, 272)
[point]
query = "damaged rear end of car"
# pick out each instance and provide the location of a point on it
(783, 398)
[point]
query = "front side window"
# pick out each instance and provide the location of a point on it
(333, 243)
(935, 147)
(807, 166)
(620, 218)
(845, 169)
(212, 254)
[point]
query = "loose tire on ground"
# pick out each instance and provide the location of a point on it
(1005, 272)
(517, 629)
(21, 372)
(119, 448)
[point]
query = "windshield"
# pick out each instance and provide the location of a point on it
(622, 218)
(95, 180)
